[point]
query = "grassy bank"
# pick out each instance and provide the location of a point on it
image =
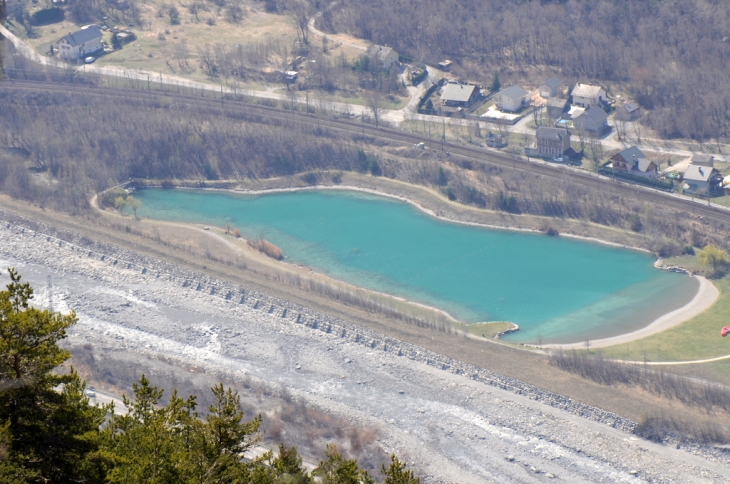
(698, 338)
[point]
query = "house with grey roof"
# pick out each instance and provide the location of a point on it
(550, 87)
(556, 107)
(80, 43)
(384, 56)
(552, 142)
(629, 111)
(702, 159)
(511, 99)
(593, 120)
(634, 162)
(701, 179)
(459, 95)
(586, 95)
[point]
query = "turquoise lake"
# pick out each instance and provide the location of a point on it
(557, 289)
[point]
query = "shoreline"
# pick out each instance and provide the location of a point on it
(706, 294)
(409, 201)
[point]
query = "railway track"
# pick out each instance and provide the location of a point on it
(227, 107)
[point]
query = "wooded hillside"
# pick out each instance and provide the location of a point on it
(669, 55)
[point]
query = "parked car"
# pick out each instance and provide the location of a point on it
(90, 60)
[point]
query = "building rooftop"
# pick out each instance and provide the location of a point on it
(631, 107)
(457, 92)
(586, 90)
(553, 83)
(698, 173)
(84, 35)
(380, 52)
(630, 155)
(515, 92)
(556, 102)
(545, 132)
(596, 114)
(703, 159)
(643, 165)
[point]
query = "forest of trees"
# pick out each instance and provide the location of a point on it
(50, 434)
(88, 143)
(68, 149)
(670, 55)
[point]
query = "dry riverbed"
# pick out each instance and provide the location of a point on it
(453, 421)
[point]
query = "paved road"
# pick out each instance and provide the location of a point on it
(394, 117)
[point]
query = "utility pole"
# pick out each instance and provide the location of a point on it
(50, 293)
(443, 137)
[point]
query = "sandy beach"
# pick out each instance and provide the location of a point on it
(706, 296)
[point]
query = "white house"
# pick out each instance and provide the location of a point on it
(700, 179)
(385, 56)
(511, 99)
(585, 95)
(81, 43)
(550, 87)
(633, 161)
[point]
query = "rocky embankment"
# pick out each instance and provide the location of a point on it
(454, 421)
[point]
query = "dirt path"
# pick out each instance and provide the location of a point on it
(706, 296)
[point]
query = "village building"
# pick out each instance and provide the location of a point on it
(81, 43)
(552, 142)
(511, 99)
(586, 95)
(702, 159)
(384, 56)
(634, 162)
(593, 120)
(459, 95)
(556, 107)
(574, 112)
(445, 65)
(629, 111)
(550, 88)
(701, 179)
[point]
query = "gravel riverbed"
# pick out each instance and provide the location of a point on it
(452, 421)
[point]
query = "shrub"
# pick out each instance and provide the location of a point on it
(266, 247)
(688, 250)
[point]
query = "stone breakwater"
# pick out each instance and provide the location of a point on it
(50, 238)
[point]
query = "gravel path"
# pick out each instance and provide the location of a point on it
(454, 422)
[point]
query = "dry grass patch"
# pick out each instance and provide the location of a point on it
(266, 247)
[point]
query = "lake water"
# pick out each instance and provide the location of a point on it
(557, 289)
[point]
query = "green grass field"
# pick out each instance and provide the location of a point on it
(698, 338)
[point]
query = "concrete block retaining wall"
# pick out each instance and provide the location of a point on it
(296, 314)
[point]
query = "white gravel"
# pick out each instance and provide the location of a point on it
(453, 422)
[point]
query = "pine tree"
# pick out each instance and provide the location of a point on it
(396, 473)
(338, 470)
(496, 85)
(49, 429)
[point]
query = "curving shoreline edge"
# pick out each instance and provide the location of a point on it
(706, 294)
